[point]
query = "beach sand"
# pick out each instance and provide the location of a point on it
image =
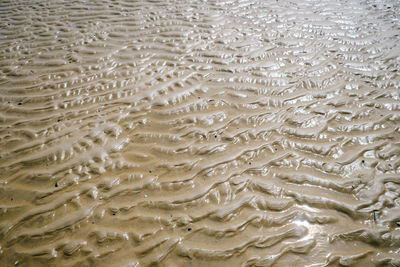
(200, 133)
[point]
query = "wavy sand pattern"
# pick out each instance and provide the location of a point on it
(200, 133)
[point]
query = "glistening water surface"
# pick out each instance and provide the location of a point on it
(200, 133)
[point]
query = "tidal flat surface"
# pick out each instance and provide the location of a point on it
(200, 133)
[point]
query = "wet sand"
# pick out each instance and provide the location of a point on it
(199, 133)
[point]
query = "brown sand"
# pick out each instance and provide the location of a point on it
(200, 133)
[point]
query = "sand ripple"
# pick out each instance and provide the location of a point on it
(199, 133)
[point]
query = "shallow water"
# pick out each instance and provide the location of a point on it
(199, 133)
